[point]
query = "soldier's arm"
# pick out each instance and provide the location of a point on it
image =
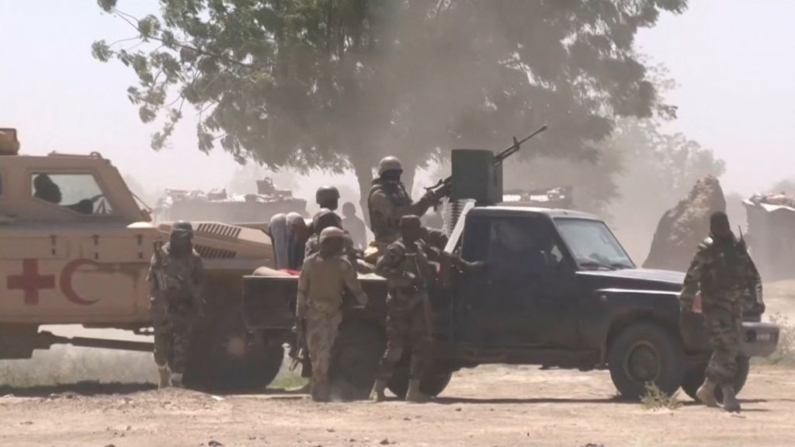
(199, 280)
(387, 267)
(352, 282)
(755, 282)
(434, 238)
(693, 278)
(381, 203)
(303, 289)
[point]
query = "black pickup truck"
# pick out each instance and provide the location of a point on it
(558, 290)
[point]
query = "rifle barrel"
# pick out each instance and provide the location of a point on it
(502, 155)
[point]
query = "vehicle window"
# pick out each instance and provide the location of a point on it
(523, 247)
(77, 192)
(593, 245)
(476, 239)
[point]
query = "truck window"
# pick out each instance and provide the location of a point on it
(77, 192)
(523, 247)
(593, 245)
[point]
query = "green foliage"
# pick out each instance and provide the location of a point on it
(655, 399)
(340, 83)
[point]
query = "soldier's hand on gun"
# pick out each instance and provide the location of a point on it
(696, 308)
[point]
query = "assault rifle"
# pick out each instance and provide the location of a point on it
(443, 187)
(299, 352)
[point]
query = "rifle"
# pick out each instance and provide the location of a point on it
(298, 350)
(443, 187)
(427, 309)
(157, 269)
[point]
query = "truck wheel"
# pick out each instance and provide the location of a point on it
(356, 354)
(694, 377)
(645, 352)
(432, 384)
(230, 359)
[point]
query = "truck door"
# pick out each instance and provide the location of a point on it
(522, 299)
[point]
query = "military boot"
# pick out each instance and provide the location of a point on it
(176, 380)
(414, 394)
(377, 395)
(730, 402)
(165, 377)
(706, 394)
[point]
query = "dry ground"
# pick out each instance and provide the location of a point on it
(488, 406)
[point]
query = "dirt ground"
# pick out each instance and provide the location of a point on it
(487, 406)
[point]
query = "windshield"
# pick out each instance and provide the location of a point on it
(593, 245)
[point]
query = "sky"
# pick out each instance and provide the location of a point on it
(732, 60)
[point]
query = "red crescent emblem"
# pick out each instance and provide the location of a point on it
(66, 282)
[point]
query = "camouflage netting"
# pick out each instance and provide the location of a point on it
(684, 226)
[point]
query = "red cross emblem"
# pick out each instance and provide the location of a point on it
(30, 281)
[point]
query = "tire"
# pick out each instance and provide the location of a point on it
(432, 384)
(355, 357)
(694, 377)
(227, 358)
(645, 352)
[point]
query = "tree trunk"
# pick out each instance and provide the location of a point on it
(364, 175)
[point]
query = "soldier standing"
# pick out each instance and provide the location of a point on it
(324, 278)
(176, 283)
(354, 226)
(406, 267)
(722, 270)
(389, 201)
(327, 197)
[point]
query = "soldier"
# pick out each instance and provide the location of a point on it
(389, 201)
(176, 303)
(354, 226)
(322, 283)
(722, 270)
(406, 268)
(327, 197)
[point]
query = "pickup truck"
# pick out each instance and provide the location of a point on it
(558, 290)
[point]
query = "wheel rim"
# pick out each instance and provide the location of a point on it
(642, 363)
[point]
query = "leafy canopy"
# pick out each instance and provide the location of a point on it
(340, 83)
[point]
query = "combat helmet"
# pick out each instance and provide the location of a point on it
(389, 163)
(182, 226)
(331, 232)
(326, 193)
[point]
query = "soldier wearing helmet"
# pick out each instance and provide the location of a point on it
(326, 218)
(176, 303)
(389, 201)
(327, 197)
(324, 278)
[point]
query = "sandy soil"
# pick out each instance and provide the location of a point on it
(492, 406)
(487, 406)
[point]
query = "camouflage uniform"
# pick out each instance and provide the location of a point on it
(387, 203)
(174, 310)
(320, 290)
(722, 270)
(407, 324)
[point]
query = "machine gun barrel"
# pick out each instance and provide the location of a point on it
(517, 144)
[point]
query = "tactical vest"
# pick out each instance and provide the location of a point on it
(726, 268)
(385, 229)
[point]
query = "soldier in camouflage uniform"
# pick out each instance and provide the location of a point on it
(389, 201)
(407, 269)
(324, 278)
(722, 270)
(176, 304)
(327, 219)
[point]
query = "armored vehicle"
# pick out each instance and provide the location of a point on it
(76, 247)
(558, 290)
(219, 205)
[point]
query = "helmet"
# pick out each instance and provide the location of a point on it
(326, 193)
(331, 232)
(389, 164)
(324, 217)
(410, 221)
(182, 225)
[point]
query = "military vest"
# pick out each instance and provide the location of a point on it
(726, 269)
(384, 228)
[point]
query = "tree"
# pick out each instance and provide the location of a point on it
(338, 84)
